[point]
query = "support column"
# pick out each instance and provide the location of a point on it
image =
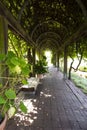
(58, 61)
(29, 56)
(39, 54)
(54, 59)
(65, 63)
(34, 59)
(3, 45)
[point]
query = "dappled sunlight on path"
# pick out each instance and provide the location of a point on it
(56, 106)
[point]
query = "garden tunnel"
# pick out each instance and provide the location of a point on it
(57, 25)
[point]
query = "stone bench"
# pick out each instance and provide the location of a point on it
(31, 86)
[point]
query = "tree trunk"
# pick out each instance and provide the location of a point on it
(70, 69)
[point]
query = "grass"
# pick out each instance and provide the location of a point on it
(80, 82)
(82, 68)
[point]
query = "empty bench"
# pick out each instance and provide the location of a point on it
(31, 86)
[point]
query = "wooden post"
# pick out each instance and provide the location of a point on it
(58, 61)
(29, 56)
(34, 58)
(3, 45)
(39, 54)
(55, 57)
(65, 63)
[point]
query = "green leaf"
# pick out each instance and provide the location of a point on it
(24, 81)
(10, 94)
(2, 100)
(15, 61)
(2, 57)
(23, 107)
(17, 69)
(10, 54)
(22, 62)
(25, 71)
(1, 85)
(6, 107)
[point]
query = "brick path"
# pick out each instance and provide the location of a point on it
(58, 105)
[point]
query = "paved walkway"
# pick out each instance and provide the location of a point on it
(58, 105)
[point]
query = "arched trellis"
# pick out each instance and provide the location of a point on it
(47, 47)
(52, 47)
(47, 26)
(49, 42)
(49, 35)
(26, 2)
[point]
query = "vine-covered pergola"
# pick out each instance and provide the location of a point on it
(44, 24)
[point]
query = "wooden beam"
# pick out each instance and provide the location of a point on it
(14, 24)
